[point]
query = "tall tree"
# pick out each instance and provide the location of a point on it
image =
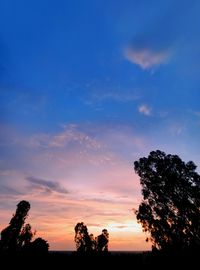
(170, 209)
(10, 236)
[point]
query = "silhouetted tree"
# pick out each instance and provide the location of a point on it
(170, 209)
(17, 236)
(38, 246)
(102, 241)
(82, 238)
(10, 236)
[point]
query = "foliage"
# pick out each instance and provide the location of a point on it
(102, 241)
(39, 246)
(170, 209)
(10, 236)
(82, 238)
(17, 236)
(89, 243)
(26, 235)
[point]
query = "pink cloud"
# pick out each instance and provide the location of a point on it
(146, 58)
(144, 109)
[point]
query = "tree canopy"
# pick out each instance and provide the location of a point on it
(82, 238)
(170, 209)
(10, 236)
(17, 235)
(86, 242)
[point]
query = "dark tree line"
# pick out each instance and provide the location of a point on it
(17, 236)
(86, 242)
(170, 209)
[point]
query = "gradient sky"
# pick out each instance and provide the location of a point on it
(86, 88)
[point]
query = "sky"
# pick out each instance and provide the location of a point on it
(87, 88)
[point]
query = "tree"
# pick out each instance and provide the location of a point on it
(10, 236)
(38, 246)
(102, 241)
(170, 209)
(89, 243)
(17, 236)
(82, 238)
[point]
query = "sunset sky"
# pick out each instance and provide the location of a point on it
(86, 88)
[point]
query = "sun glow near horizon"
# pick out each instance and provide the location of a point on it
(122, 236)
(125, 226)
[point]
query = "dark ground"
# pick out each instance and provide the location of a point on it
(113, 260)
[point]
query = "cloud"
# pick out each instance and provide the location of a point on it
(46, 184)
(144, 109)
(177, 128)
(117, 95)
(146, 58)
(163, 35)
(6, 190)
(70, 135)
(109, 89)
(121, 226)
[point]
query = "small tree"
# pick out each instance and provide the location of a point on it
(89, 243)
(102, 241)
(170, 209)
(82, 238)
(38, 246)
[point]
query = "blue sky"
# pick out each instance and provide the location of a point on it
(87, 87)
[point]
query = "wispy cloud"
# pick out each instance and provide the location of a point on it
(118, 95)
(70, 134)
(146, 58)
(47, 184)
(145, 109)
(6, 190)
(100, 91)
(177, 128)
